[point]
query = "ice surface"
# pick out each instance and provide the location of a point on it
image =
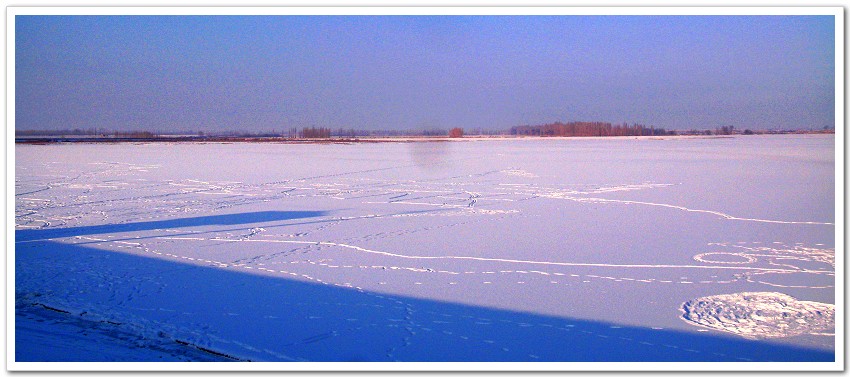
(508, 250)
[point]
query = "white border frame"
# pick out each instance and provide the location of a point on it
(837, 12)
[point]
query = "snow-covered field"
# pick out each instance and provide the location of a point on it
(618, 249)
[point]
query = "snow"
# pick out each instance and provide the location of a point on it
(758, 315)
(490, 250)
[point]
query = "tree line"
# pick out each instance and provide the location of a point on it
(589, 129)
(326, 132)
(73, 132)
(86, 132)
(315, 133)
(551, 129)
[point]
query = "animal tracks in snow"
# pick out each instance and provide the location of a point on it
(569, 271)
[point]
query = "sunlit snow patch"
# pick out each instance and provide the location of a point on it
(760, 315)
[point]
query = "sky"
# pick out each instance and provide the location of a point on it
(260, 73)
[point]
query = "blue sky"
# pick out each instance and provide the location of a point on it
(215, 73)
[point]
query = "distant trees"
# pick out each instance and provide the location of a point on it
(70, 132)
(315, 133)
(135, 134)
(725, 130)
(589, 129)
(456, 132)
(434, 132)
(85, 132)
(341, 132)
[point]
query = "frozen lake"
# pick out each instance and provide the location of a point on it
(681, 249)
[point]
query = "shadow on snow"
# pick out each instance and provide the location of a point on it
(263, 317)
(227, 219)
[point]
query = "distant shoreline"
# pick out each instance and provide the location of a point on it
(43, 140)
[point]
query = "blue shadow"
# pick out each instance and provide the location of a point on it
(228, 219)
(272, 318)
